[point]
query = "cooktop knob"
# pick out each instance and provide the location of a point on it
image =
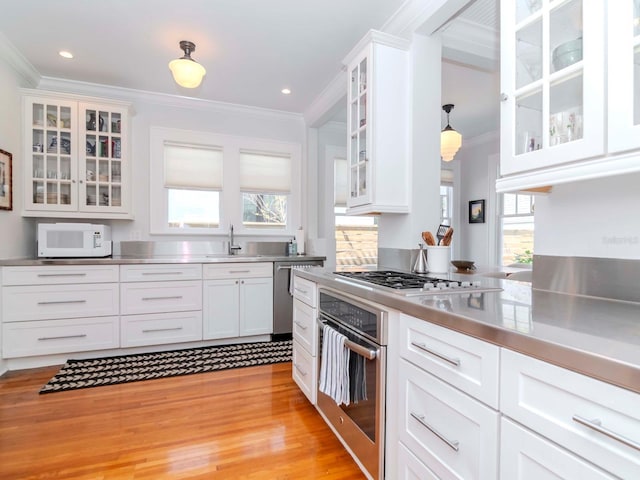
(465, 284)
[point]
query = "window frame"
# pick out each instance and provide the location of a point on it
(501, 217)
(231, 206)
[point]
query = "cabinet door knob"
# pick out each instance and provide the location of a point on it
(504, 97)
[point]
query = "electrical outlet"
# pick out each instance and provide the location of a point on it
(135, 235)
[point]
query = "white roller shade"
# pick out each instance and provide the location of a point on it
(192, 167)
(446, 177)
(340, 185)
(265, 173)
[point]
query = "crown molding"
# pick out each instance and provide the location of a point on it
(328, 102)
(162, 99)
(468, 42)
(422, 16)
(18, 62)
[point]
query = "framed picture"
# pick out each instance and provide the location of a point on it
(6, 190)
(476, 211)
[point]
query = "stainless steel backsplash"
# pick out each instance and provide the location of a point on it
(138, 249)
(595, 277)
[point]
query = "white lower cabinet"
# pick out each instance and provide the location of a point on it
(525, 455)
(161, 328)
(160, 304)
(47, 337)
(237, 300)
(304, 371)
(59, 309)
(595, 420)
(410, 468)
(455, 435)
(304, 368)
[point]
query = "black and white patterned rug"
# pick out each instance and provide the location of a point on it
(77, 374)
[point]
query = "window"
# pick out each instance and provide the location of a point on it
(193, 180)
(356, 236)
(265, 183)
(516, 225)
(202, 183)
(446, 197)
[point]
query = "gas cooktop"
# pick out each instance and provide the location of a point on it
(414, 283)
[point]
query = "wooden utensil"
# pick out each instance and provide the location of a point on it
(446, 240)
(428, 238)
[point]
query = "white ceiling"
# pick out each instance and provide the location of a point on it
(250, 48)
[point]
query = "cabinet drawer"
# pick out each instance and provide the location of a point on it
(237, 270)
(304, 371)
(59, 274)
(465, 362)
(43, 302)
(160, 328)
(455, 435)
(554, 402)
(305, 331)
(305, 291)
(160, 297)
(526, 455)
(46, 337)
(158, 273)
(410, 467)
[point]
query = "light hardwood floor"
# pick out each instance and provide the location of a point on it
(248, 423)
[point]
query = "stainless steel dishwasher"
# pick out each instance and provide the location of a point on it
(282, 299)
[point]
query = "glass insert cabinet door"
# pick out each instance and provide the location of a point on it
(358, 126)
(51, 170)
(552, 80)
(624, 75)
(101, 157)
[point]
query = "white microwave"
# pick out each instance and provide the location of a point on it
(57, 240)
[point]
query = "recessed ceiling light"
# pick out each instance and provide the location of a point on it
(286, 91)
(65, 54)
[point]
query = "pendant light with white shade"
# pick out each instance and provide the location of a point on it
(450, 140)
(186, 71)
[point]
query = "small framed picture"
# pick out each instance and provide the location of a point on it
(6, 190)
(476, 211)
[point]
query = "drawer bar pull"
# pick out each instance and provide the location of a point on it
(452, 361)
(62, 275)
(452, 443)
(596, 425)
(175, 297)
(239, 271)
(83, 335)
(60, 302)
(301, 325)
(302, 372)
(162, 273)
(171, 329)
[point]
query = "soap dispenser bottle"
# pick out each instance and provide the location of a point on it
(421, 262)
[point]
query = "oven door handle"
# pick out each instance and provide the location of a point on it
(354, 347)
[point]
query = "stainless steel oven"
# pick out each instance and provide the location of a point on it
(360, 425)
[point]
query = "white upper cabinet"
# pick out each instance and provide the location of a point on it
(624, 75)
(76, 157)
(552, 75)
(570, 77)
(378, 121)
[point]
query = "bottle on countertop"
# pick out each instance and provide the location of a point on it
(293, 248)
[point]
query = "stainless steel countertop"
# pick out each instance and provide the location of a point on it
(125, 260)
(596, 337)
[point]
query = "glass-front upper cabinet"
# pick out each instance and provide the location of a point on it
(552, 74)
(102, 157)
(50, 167)
(624, 75)
(358, 191)
(76, 161)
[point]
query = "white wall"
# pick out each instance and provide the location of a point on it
(477, 163)
(595, 218)
(17, 237)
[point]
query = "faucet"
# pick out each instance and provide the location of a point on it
(233, 249)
